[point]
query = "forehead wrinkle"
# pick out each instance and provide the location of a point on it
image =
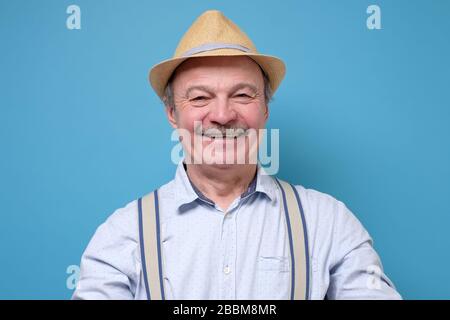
(199, 87)
(200, 69)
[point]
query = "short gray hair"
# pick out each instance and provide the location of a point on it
(168, 98)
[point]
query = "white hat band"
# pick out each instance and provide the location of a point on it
(214, 46)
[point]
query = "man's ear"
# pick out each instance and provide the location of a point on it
(171, 116)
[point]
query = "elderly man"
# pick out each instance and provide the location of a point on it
(223, 229)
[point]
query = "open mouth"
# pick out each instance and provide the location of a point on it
(228, 134)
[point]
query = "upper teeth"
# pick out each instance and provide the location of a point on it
(228, 134)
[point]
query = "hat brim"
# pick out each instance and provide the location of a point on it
(160, 73)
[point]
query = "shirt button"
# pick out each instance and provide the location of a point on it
(226, 270)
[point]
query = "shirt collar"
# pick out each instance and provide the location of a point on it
(187, 192)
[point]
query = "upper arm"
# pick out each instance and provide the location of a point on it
(356, 271)
(108, 268)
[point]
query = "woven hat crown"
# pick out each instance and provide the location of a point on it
(213, 27)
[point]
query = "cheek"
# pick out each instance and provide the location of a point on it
(188, 116)
(253, 116)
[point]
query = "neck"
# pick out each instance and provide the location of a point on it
(221, 184)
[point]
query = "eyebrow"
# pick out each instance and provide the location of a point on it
(233, 89)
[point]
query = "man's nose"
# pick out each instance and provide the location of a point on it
(222, 112)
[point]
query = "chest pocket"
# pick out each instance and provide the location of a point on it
(273, 277)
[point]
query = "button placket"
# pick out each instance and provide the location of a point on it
(229, 247)
(228, 264)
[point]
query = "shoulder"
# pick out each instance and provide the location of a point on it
(123, 223)
(320, 207)
(330, 222)
(319, 201)
(118, 232)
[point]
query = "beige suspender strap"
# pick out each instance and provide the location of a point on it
(150, 243)
(298, 240)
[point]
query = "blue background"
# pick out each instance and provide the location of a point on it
(363, 115)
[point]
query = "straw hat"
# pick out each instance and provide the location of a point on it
(213, 34)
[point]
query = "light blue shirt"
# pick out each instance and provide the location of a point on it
(239, 254)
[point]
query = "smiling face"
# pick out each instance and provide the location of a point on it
(219, 108)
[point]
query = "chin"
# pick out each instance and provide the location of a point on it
(219, 161)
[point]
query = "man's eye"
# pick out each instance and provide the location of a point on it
(199, 98)
(242, 95)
